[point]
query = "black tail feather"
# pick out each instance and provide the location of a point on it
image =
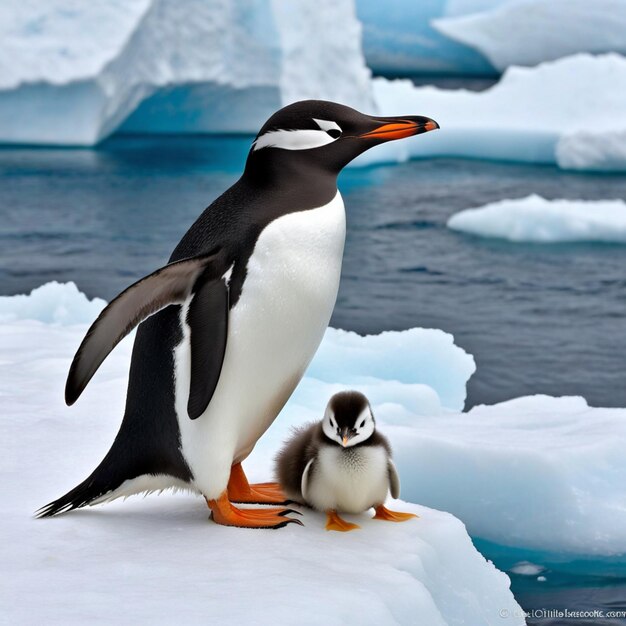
(82, 495)
(107, 477)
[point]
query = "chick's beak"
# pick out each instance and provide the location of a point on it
(400, 127)
(345, 436)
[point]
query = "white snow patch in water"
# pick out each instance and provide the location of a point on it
(535, 219)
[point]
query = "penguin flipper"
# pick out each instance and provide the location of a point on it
(170, 284)
(208, 323)
(304, 485)
(394, 479)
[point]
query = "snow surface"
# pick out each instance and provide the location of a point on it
(158, 559)
(528, 32)
(539, 220)
(570, 112)
(72, 72)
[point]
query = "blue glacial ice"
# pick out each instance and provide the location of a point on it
(484, 37)
(71, 74)
(399, 39)
(529, 32)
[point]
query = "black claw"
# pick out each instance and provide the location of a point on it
(281, 503)
(282, 524)
(287, 511)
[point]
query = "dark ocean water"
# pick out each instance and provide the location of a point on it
(537, 318)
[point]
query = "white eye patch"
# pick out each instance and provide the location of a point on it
(300, 139)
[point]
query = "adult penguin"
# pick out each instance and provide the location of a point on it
(228, 327)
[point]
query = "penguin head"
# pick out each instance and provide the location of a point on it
(326, 135)
(348, 419)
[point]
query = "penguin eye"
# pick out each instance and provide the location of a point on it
(362, 424)
(335, 133)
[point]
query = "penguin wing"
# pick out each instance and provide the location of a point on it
(394, 479)
(208, 324)
(304, 485)
(171, 284)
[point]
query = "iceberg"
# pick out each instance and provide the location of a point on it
(535, 219)
(569, 112)
(71, 73)
(399, 40)
(484, 37)
(591, 150)
(149, 553)
(528, 32)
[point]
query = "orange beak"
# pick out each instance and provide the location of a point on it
(401, 128)
(345, 440)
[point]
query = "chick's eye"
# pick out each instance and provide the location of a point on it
(362, 424)
(335, 133)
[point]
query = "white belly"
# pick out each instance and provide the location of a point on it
(349, 481)
(274, 330)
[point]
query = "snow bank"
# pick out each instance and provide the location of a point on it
(528, 32)
(546, 221)
(73, 72)
(559, 112)
(160, 558)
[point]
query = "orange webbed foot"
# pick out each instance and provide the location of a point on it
(334, 522)
(225, 514)
(392, 516)
(242, 492)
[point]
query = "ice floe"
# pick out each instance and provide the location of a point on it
(535, 219)
(159, 559)
(536, 472)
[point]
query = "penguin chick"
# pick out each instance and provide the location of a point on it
(341, 464)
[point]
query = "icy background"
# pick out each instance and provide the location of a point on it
(537, 481)
(73, 73)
